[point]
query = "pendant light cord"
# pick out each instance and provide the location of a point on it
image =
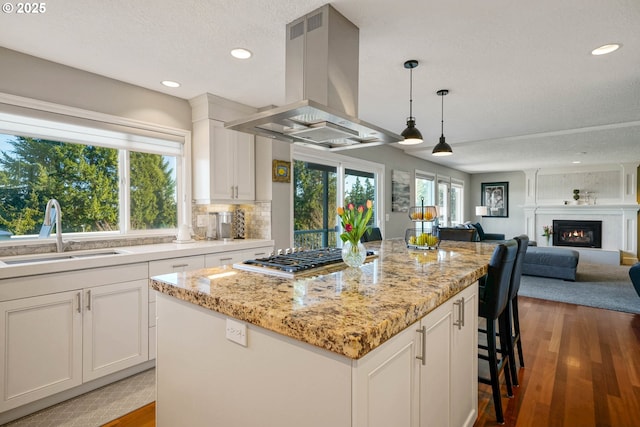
(442, 117)
(411, 93)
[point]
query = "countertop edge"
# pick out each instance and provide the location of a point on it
(351, 344)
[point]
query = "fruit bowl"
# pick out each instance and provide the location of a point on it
(417, 239)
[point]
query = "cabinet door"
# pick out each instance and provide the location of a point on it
(244, 167)
(115, 328)
(464, 373)
(41, 347)
(435, 392)
(386, 384)
(222, 164)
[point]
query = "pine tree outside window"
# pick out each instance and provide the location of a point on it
(112, 183)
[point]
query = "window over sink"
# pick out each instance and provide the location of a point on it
(107, 178)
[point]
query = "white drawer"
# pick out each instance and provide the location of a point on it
(173, 265)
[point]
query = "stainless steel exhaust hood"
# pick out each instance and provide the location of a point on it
(321, 89)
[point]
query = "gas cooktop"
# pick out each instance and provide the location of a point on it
(297, 263)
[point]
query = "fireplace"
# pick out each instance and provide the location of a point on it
(581, 234)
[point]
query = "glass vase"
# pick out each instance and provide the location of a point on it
(353, 255)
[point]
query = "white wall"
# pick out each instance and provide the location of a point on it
(514, 224)
(36, 78)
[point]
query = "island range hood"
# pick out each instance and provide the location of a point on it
(321, 89)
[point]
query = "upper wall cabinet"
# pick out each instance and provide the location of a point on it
(223, 160)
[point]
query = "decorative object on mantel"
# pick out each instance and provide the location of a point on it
(576, 194)
(547, 231)
(354, 225)
(495, 196)
(281, 171)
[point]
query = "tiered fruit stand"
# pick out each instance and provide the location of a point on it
(422, 237)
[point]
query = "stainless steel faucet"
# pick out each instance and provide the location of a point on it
(53, 203)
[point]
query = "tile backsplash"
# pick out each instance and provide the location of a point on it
(257, 218)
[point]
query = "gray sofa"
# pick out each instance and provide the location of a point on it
(558, 263)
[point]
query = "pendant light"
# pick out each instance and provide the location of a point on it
(411, 134)
(442, 148)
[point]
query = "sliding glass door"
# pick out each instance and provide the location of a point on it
(315, 195)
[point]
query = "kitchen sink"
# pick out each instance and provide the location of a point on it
(34, 259)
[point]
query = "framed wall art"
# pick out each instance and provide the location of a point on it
(495, 196)
(400, 193)
(281, 171)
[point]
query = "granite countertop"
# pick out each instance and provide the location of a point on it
(349, 312)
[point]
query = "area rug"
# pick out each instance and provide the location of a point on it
(97, 407)
(596, 285)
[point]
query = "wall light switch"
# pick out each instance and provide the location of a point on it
(201, 221)
(236, 332)
(386, 217)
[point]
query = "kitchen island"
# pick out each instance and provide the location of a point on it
(393, 342)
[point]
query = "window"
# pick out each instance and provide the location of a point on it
(443, 201)
(105, 180)
(450, 201)
(457, 206)
(314, 200)
(425, 189)
(360, 186)
(321, 184)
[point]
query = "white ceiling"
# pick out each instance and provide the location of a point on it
(525, 92)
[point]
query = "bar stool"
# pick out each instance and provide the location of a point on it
(494, 297)
(511, 312)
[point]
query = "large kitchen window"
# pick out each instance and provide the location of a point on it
(105, 180)
(321, 184)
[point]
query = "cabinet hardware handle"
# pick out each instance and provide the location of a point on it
(460, 322)
(179, 265)
(232, 191)
(423, 357)
(259, 253)
(79, 302)
(89, 300)
(226, 259)
(236, 191)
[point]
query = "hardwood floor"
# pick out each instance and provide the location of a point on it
(582, 369)
(143, 417)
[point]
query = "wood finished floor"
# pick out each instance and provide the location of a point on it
(582, 370)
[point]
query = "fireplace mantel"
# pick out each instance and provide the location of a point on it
(619, 227)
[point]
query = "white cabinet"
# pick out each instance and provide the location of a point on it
(426, 375)
(224, 164)
(166, 266)
(415, 379)
(386, 388)
(57, 341)
(41, 338)
(115, 328)
(448, 378)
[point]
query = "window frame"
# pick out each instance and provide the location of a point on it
(34, 118)
(341, 163)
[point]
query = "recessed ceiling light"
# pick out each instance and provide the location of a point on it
(576, 162)
(169, 83)
(607, 48)
(241, 53)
